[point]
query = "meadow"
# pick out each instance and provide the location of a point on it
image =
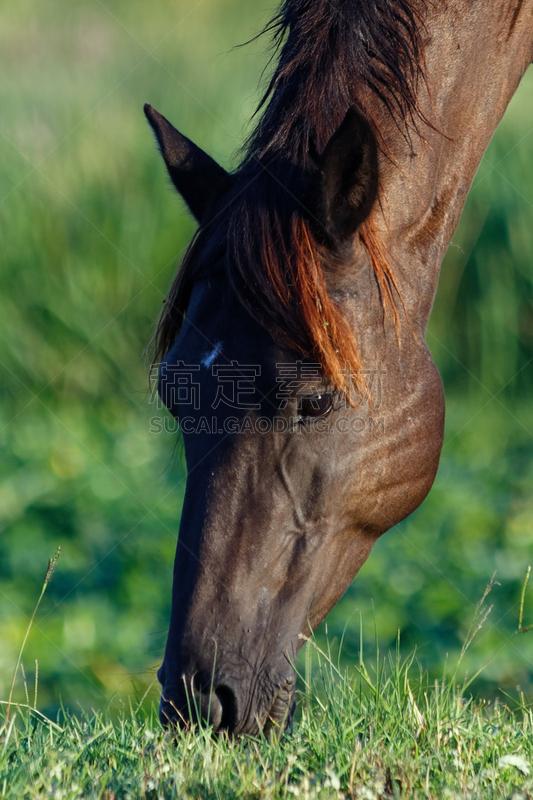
(92, 236)
(383, 732)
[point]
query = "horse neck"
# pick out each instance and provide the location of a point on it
(476, 54)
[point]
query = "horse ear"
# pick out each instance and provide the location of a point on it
(196, 176)
(348, 176)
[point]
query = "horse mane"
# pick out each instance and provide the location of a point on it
(329, 50)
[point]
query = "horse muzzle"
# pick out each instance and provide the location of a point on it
(229, 705)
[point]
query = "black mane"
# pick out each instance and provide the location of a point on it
(328, 50)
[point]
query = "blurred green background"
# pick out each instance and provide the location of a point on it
(91, 235)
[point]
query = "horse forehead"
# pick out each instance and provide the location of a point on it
(219, 331)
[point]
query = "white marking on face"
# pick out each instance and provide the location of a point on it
(210, 357)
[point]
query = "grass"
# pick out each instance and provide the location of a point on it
(369, 734)
(47, 578)
(380, 731)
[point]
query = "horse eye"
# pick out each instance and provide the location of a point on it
(318, 405)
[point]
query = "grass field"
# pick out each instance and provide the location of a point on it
(382, 733)
(380, 730)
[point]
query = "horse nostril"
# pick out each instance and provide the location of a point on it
(201, 701)
(227, 700)
(215, 702)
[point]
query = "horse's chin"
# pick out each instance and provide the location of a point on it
(281, 711)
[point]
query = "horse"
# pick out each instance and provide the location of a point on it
(291, 348)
